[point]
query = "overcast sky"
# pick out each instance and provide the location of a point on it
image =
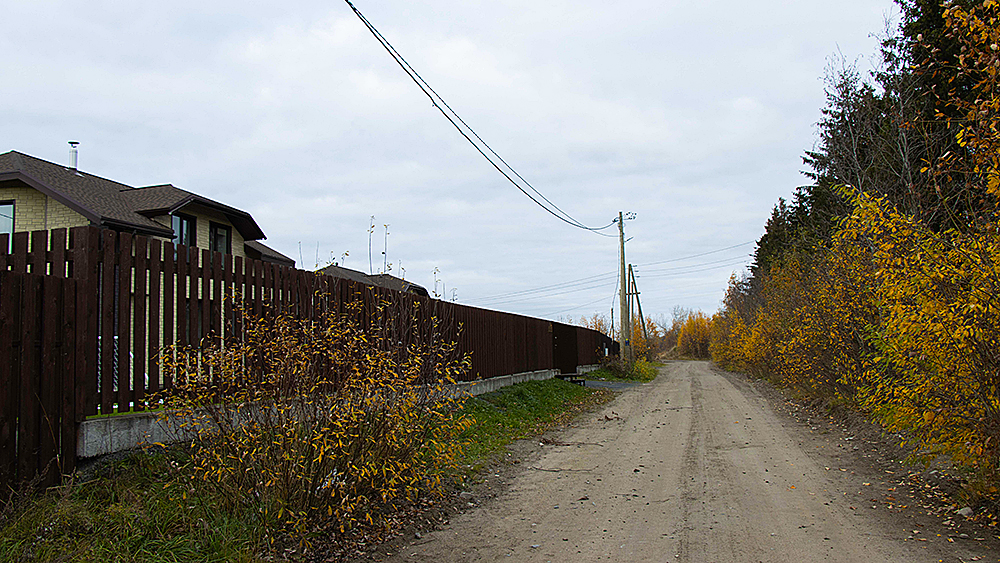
(693, 115)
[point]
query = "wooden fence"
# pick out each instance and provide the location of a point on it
(110, 302)
(39, 371)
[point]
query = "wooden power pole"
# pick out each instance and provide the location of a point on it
(635, 291)
(624, 322)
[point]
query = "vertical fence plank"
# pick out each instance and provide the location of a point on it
(28, 418)
(49, 382)
(267, 296)
(240, 295)
(39, 248)
(4, 256)
(139, 323)
(85, 246)
(259, 284)
(58, 253)
(70, 378)
(228, 295)
(19, 260)
(155, 306)
(206, 296)
(180, 297)
(124, 332)
(194, 319)
(107, 320)
(171, 295)
(10, 393)
(217, 275)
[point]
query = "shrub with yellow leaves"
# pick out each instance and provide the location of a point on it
(331, 419)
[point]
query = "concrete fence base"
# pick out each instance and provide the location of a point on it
(116, 433)
(481, 386)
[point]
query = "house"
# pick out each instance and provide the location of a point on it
(378, 280)
(36, 194)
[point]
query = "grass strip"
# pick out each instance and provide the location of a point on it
(146, 507)
(523, 410)
(142, 507)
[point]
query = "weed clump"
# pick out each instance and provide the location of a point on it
(614, 368)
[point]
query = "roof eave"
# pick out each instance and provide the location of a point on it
(62, 198)
(89, 214)
(243, 221)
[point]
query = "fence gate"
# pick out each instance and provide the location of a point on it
(38, 378)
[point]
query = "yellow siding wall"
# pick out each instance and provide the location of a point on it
(34, 211)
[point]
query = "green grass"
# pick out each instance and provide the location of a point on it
(522, 410)
(641, 371)
(139, 508)
(146, 508)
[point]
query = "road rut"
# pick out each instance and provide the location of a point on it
(693, 467)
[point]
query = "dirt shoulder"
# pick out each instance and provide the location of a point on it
(701, 465)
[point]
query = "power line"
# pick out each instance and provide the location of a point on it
(524, 298)
(667, 275)
(435, 98)
(574, 308)
(676, 268)
(698, 255)
(543, 288)
(506, 297)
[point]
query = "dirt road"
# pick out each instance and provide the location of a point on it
(693, 467)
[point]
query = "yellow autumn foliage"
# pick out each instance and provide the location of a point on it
(695, 336)
(888, 315)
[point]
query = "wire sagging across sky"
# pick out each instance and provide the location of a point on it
(470, 135)
(608, 279)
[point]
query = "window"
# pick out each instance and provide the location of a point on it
(6, 217)
(220, 238)
(184, 232)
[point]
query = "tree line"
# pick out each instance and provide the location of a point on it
(876, 285)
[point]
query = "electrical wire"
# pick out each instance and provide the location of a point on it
(684, 273)
(676, 268)
(434, 97)
(574, 308)
(527, 298)
(556, 286)
(658, 272)
(698, 255)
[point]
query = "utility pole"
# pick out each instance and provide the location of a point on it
(624, 322)
(635, 291)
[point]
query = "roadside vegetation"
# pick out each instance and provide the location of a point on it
(520, 411)
(876, 287)
(328, 431)
(614, 369)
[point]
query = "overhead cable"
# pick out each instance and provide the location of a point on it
(451, 115)
(698, 255)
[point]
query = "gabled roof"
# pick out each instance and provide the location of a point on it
(379, 280)
(166, 199)
(113, 204)
(268, 254)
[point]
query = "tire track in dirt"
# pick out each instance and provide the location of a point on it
(693, 467)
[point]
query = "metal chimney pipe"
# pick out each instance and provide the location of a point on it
(73, 155)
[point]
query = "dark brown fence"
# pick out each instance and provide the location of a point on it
(144, 294)
(39, 370)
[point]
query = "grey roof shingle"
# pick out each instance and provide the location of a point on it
(268, 254)
(96, 198)
(380, 280)
(110, 203)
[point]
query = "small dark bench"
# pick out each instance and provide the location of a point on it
(573, 378)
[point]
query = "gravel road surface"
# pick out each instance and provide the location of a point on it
(695, 466)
